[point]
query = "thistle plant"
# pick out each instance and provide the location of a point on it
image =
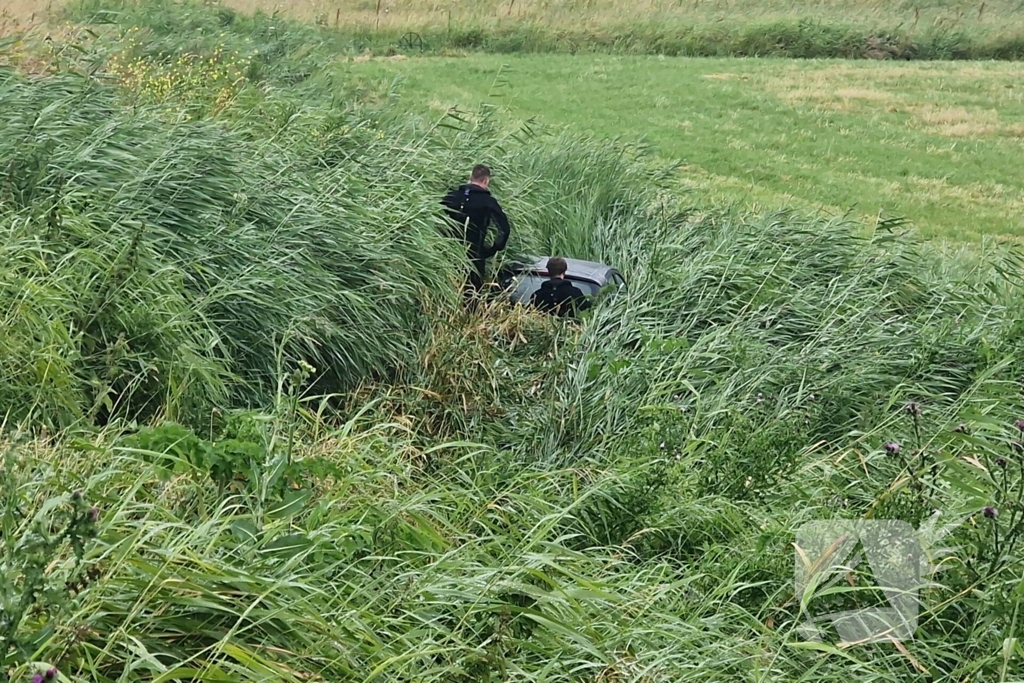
(1004, 517)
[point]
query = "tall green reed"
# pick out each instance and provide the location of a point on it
(497, 496)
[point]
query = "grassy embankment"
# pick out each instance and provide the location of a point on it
(221, 239)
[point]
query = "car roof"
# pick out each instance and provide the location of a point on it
(589, 270)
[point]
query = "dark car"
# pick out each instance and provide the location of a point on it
(520, 280)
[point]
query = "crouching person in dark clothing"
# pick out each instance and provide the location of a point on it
(471, 208)
(559, 296)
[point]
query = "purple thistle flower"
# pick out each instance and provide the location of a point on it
(77, 495)
(37, 678)
(1019, 424)
(50, 674)
(94, 514)
(913, 409)
(892, 448)
(990, 512)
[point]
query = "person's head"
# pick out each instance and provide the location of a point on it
(481, 175)
(557, 267)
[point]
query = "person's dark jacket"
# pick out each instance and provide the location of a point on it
(560, 297)
(476, 204)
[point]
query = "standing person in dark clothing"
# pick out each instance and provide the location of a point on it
(472, 207)
(558, 295)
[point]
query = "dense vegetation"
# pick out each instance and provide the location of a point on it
(232, 326)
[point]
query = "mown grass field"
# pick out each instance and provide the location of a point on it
(252, 434)
(937, 143)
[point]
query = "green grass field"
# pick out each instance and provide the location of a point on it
(938, 143)
(251, 433)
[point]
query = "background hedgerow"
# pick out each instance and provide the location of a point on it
(236, 330)
(852, 30)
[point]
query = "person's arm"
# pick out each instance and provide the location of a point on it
(580, 300)
(503, 228)
(453, 213)
(449, 200)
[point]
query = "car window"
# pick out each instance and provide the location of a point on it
(587, 287)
